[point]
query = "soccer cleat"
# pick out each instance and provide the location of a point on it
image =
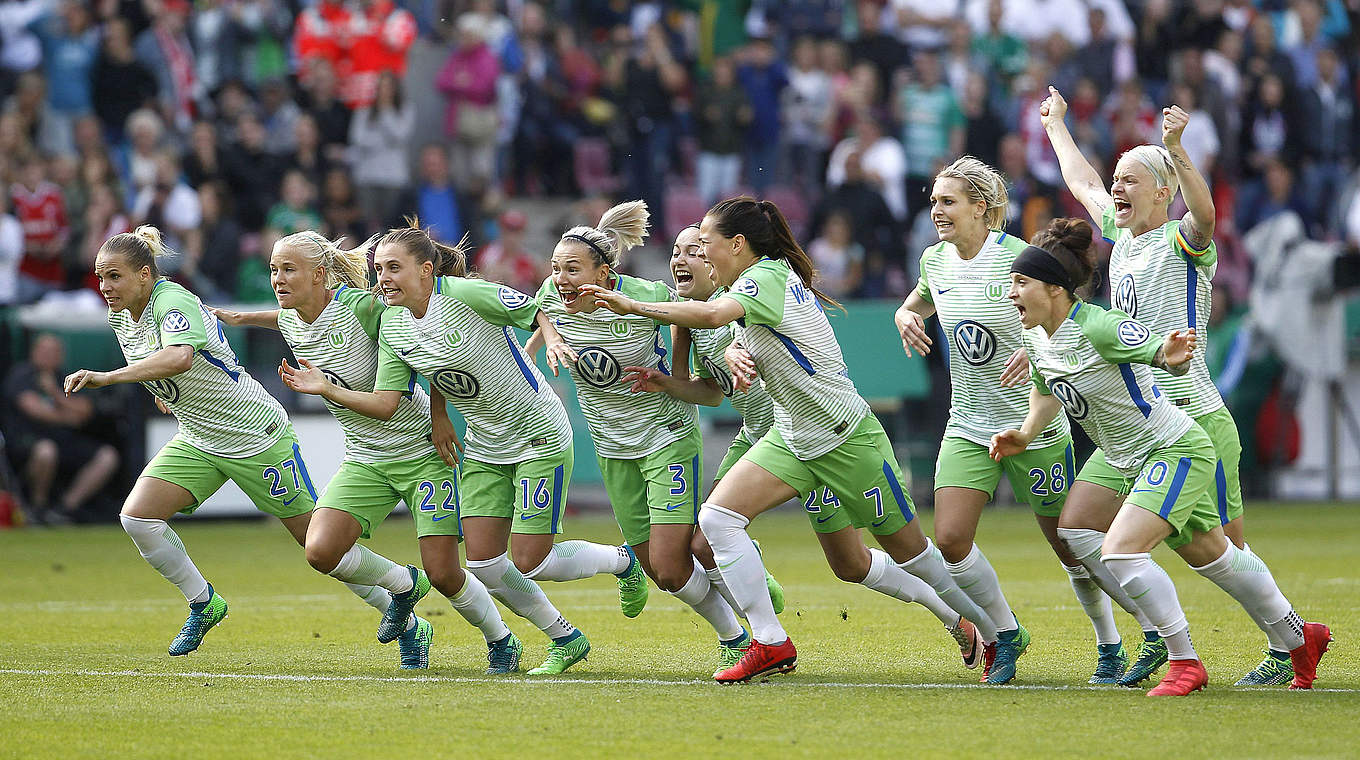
(1151, 656)
(202, 617)
(503, 656)
(1316, 638)
(1274, 670)
(393, 622)
(729, 654)
(415, 645)
(1182, 678)
(759, 660)
(970, 643)
(562, 656)
(988, 657)
(772, 585)
(1111, 663)
(1009, 646)
(632, 586)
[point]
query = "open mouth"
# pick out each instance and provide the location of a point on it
(943, 225)
(567, 295)
(1122, 207)
(682, 277)
(1020, 309)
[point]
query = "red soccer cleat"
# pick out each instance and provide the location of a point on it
(971, 648)
(759, 660)
(1316, 637)
(1182, 678)
(988, 657)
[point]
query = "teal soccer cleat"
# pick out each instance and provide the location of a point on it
(503, 656)
(1151, 656)
(1274, 670)
(202, 617)
(632, 586)
(394, 620)
(1112, 663)
(415, 645)
(1009, 646)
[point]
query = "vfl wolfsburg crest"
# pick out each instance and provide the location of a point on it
(1072, 359)
(453, 338)
(619, 329)
(996, 290)
(598, 367)
(336, 338)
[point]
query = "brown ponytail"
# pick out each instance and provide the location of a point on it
(448, 260)
(1071, 241)
(765, 228)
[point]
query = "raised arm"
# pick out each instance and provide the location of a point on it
(1081, 178)
(1198, 223)
(267, 319)
(165, 363)
(694, 390)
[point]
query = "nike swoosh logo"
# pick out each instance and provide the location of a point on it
(1143, 490)
(946, 290)
(673, 507)
(286, 502)
(880, 522)
(1051, 502)
(437, 519)
(408, 350)
(530, 517)
(725, 565)
(824, 519)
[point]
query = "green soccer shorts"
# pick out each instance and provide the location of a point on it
(740, 445)
(661, 488)
(858, 483)
(1098, 471)
(368, 492)
(531, 494)
(1177, 484)
(1038, 477)
(1222, 430)
(275, 480)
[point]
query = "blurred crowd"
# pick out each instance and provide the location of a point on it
(228, 123)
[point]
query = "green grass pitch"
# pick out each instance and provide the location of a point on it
(295, 670)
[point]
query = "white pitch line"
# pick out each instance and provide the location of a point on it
(552, 681)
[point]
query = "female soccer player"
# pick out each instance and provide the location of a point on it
(648, 445)
(230, 428)
(331, 320)
(824, 437)
(709, 385)
(1160, 273)
(456, 331)
(964, 281)
(1096, 364)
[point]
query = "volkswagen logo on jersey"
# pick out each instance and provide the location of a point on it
(1125, 297)
(175, 321)
(165, 390)
(455, 383)
(747, 287)
(976, 343)
(1132, 333)
(513, 299)
(1071, 400)
(720, 374)
(336, 379)
(598, 367)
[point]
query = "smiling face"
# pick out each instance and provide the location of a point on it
(1035, 300)
(573, 265)
(295, 282)
(401, 277)
(1137, 199)
(692, 273)
(953, 215)
(729, 257)
(121, 287)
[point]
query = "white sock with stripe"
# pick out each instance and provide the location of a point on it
(1247, 579)
(978, 580)
(1085, 544)
(474, 603)
(886, 577)
(1096, 604)
(1148, 585)
(714, 576)
(699, 594)
(929, 567)
(161, 548)
(521, 595)
(1273, 641)
(574, 560)
(374, 596)
(742, 570)
(362, 566)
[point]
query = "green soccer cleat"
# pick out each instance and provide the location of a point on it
(415, 645)
(1151, 656)
(632, 586)
(564, 655)
(202, 617)
(1274, 670)
(393, 622)
(1112, 663)
(776, 590)
(730, 652)
(1009, 646)
(503, 656)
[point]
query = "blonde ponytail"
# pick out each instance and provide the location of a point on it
(342, 267)
(985, 185)
(142, 247)
(622, 227)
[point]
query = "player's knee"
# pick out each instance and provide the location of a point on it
(529, 560)
(954, 544)
(850, 569)
(447, 580)
(672, 576)
(321, 557)
(701, 550)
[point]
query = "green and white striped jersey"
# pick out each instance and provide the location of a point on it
(755, 405)
(465, 347)
(623, 424)
(1160, 280)
(1097, 366)
(343, 344)
(816, 406)
(982, 330)
(221, 409)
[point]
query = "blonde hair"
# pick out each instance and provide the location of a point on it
(1157, 160)
(622, 227)
(985, 185)
(142, 247)
(342, 267)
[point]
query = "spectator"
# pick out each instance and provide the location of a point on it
(839, 260)
(321, 42)
(332, 118)
(40, 208)
(12, 288)
(885, 51)
(1330, 140)
(1036, 20)
(932, 127)
(217, 37)
(104, 216)
(380, 137)
(882, 159)
(983, 127)
(279, 114)
(216, 252)
(1264, 56)
(70, 46)
(507, 260)
(145, 131)
(40, 125)
(20, 49)
(1304, 48)
(545, 131)
(203, 163)
(645, 83)
(1268, 127)
(340, 212)
(1200, 138)
(307, 155)
(1274, 194)
(468, 80)
(876, 229)
(434, 198)
(165, 51)
(47, 436)
(1095, 59)
(1156, 32)
(120, 83)
(923, 24)
(295, 210)
(807, 112)
(169, 204)
(382, 36)
(252, 173)
(721, 114)
(1005, 55)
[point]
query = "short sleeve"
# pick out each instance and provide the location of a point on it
(1107, 228)
(1038, 380)
(180, 319)
(366, 308)
(545, 292)
(1119, 338)
(760, 291)
(1200, 257)
(393, 373)
(500, 305)
(923, 284)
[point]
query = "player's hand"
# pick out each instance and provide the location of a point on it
(742, 366)
(304, 378)
(558, 352)
(643, 379)
(1179, 347)
(445, 439)
(228, 317)
(161, 406)
(84, 378)
(1053, 109)
(912, 327)
(1174, 120)
(1007, 443)
(1017, 369)
(610, 299)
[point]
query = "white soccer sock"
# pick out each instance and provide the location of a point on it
(705, 599)
(978, 580)
(360, 565)
(886, 577)
(714, 576)
(474, 603)
(1273, 641)
(162, 549)
(1146, 582)
(1095, 603)
(929, 567)
(374, 596)
(742, 570)
(1085, 544)
(1247, 579)
(521, 595)
(574, 560)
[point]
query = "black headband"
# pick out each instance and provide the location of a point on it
(1044, 266)
(604, 257)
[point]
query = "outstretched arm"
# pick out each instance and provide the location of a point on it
(694, 390)
(167, 362)
(305, 378)
(1176, 351)
(1081, 178)
(268, 319)
(1198, 223)
(693, 314)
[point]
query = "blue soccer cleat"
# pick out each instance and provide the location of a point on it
(202, 617)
